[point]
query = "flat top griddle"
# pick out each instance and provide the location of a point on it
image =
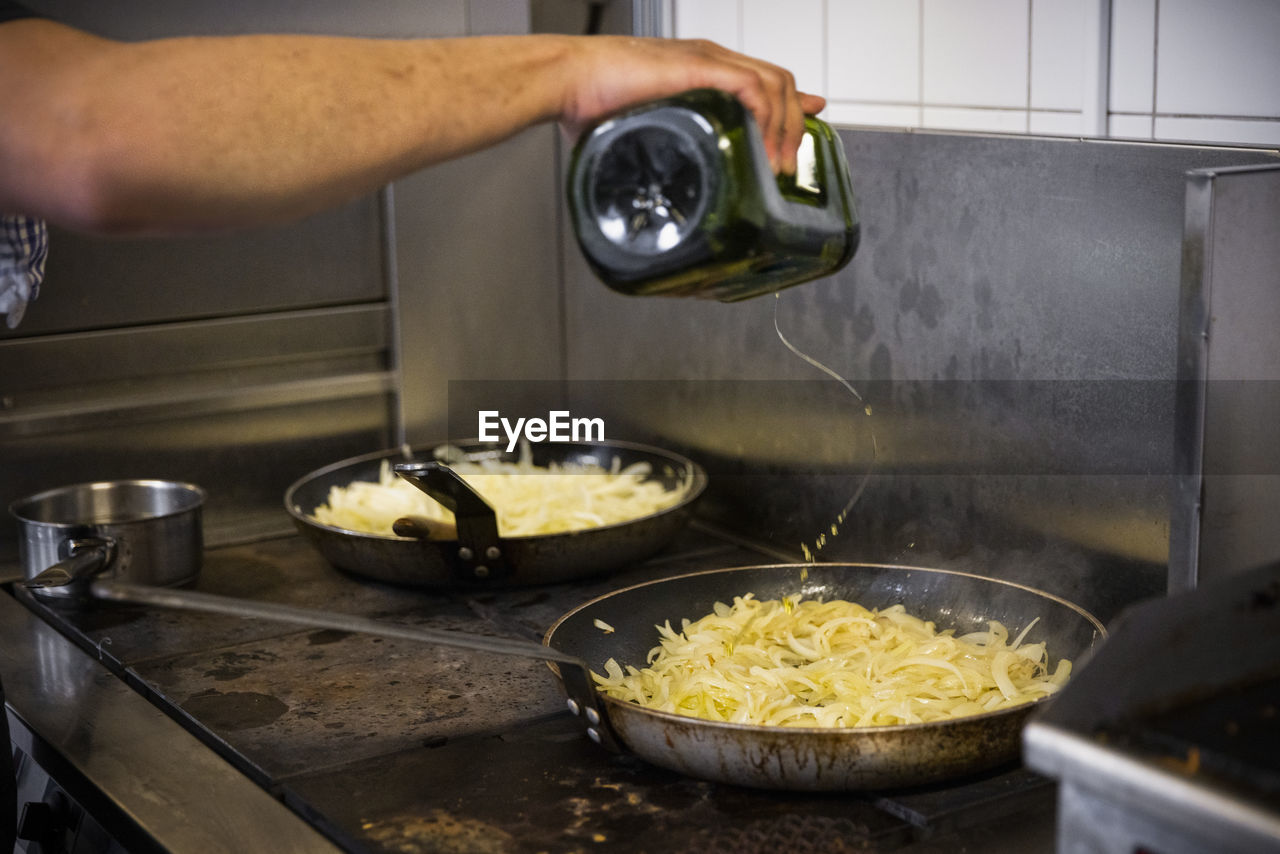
(388, 746)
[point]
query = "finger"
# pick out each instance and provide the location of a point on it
(785, 123)
(782, 134)
(812, 104)
(793, 130)
(769, 95)
(766, 90)
(800, 107)
(788, 125)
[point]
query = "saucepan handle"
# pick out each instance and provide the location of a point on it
(82, 558)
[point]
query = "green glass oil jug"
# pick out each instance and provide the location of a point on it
(676, 198)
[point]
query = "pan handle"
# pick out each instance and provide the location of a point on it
(575, 675)
(480, 552)
(82, 557)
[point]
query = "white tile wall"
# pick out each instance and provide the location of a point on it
(1194, 70)
(1218, 58)
(1133, 56)
(1058, 30)
(986, 120)
(881, 115)
(873, 52)
(793, 39)
(717, 20)
(1058, 123)
(975, 53)
(1125, 126)
(1243, 131)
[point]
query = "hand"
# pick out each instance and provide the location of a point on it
(608, 73)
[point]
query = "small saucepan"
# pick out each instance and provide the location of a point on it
(145, 531)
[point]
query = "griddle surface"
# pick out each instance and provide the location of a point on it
(389, 746)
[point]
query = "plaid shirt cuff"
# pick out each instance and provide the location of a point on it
(24, 244)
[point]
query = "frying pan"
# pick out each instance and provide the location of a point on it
(820, 759)
(418, 560)
(812, 759)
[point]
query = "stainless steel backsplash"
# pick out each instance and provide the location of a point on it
(1012, 320)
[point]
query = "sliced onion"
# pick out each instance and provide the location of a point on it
(526, 498)
(794, 662)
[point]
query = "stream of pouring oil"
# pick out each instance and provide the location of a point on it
(821, 539)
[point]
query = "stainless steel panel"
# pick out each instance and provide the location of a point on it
(477, 261)
(89, 728)
(1015, 300)
(244, 453)
(134, 19)
(1229, 372)
(66, 371)
(574, 17)
(97, 283)
(139, 19)
(983, 258)
(498, 17)
(243, 406)
(334, 257)
(651, 18)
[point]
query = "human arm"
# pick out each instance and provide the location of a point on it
(203, 133)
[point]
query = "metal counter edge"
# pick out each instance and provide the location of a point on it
(72, 712)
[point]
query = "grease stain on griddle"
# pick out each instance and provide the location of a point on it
(234, 710)
(537, 599)
(326, 636)
(233, 665)
(440, 833)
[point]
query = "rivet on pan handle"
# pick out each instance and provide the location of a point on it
(480, 549)
(582, 701)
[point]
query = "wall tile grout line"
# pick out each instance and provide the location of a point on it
(1096, 99)
(1031, 13)
(868, 102)
(1155, 69)
(920, 65)
(1221, 117)
(742, 31)
(826, 47)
